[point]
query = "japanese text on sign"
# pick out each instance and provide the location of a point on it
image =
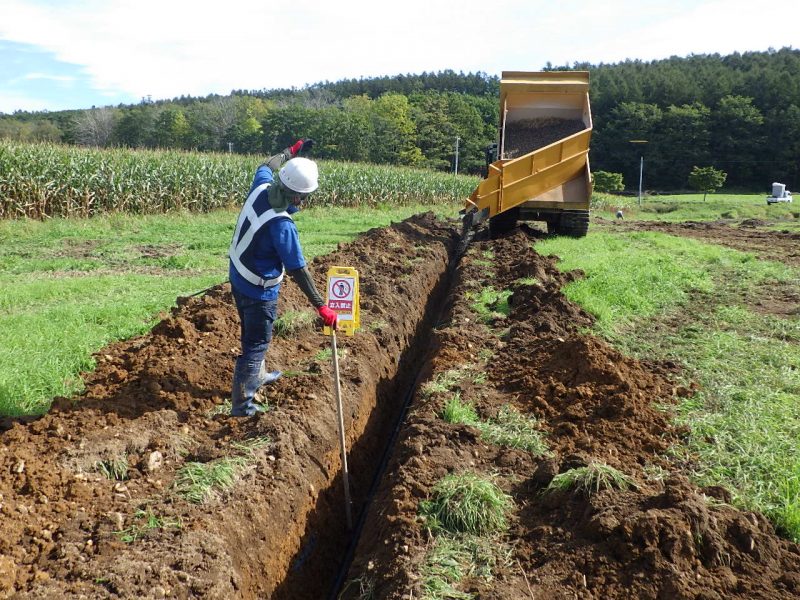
(342, 297)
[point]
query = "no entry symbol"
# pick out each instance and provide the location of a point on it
(341, 288)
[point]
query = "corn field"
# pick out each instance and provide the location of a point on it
(48, 180)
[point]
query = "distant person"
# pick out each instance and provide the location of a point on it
(266, 245)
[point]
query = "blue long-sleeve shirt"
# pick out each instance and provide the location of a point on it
(275, 247)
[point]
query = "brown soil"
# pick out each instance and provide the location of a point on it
(666, 539)
(280, 532)
(783, 246)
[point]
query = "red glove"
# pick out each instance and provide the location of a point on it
(329, 317)
(303, 145)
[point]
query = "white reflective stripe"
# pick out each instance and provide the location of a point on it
(238, 248)
(252, 277)
(244, 213)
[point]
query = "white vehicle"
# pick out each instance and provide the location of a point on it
(779, 194)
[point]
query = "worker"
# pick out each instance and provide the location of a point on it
(266, 245)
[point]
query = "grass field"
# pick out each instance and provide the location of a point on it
(662, 297)
(68, 287)
(692, 207)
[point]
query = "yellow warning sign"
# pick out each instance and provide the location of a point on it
(342, 297)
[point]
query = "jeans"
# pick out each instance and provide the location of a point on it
(250, 373)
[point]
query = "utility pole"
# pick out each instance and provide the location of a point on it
(455, 169)
(641, 167)
(641, 171)
(230, 147)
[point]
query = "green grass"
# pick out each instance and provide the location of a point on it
(745, 421)
(202, 482)
(466, 503)
(591, 479)
(452, 559)
(691, 207)
(457, 412)
(113, 468)
(220, 409)
(442, 382)
(637, 275)
(145, 522)
(509, 428)
(490, 303)
(292, 322)
(659, 297)
(68, 287)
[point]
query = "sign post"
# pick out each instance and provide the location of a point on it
(342, 297)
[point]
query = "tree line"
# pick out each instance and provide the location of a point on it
(739, 113)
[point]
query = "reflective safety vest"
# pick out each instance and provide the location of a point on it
(241, 242)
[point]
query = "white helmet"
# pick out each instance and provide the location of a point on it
(300, 175)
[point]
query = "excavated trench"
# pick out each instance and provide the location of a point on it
(151, 404)
(75, 523)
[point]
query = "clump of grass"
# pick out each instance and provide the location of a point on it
(515, 430)
(591, 479)
(147, 521)
(250, 445)
(113, 468)
(485, 354)
(509, 428)
(479, 378)
(490, 303)
(377, 325)
(442, 383)
(326, 354)
(293, 322)
(220, 409)
(527, 281)
(466, 503)
(452, 559)
(200, 482)
(458, 412)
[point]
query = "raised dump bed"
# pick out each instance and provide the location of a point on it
(541, 170)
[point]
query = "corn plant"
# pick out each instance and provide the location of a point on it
(51, 180)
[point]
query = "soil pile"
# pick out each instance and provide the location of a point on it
(88, 494)
(93, 506)
(662, 538)
(528, 135)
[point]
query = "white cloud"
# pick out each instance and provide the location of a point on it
(168, 48)
(46, 76)
(11, 102)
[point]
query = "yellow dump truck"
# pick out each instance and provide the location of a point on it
(539, 168)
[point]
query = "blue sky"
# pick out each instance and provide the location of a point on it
(61, 54)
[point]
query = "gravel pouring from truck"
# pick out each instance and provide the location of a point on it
(539, 168)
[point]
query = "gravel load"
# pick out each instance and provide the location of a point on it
(531, 134)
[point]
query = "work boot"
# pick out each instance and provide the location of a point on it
(247, 380)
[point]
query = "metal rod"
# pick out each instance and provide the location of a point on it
(641, 169)
(342, 443)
